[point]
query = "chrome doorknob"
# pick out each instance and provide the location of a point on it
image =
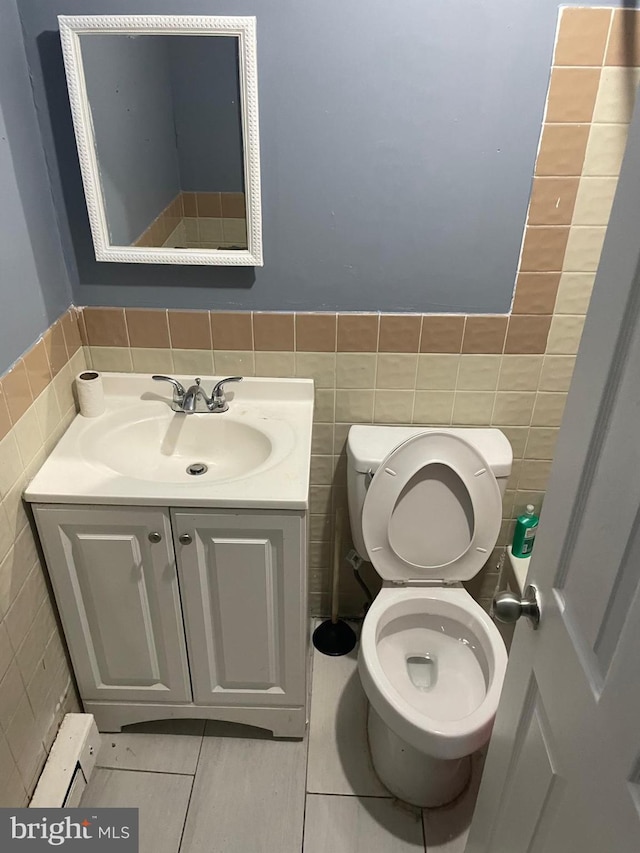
(509, 607)
(155, 537)
(185, 539)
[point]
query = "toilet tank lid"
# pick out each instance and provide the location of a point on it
(367, 445)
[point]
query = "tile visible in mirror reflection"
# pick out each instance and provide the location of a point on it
(233, 205)
(209, 205)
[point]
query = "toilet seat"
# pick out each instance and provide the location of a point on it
(451, 610)
(452, 543)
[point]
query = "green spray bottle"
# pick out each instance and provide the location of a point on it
(525, 532)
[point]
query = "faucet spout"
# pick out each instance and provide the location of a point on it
(190, 398)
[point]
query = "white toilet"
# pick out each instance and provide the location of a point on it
(425, 508)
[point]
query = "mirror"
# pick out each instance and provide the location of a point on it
(165, 113)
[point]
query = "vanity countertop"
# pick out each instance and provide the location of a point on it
(257, 454)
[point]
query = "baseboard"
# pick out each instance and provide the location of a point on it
(69, 765)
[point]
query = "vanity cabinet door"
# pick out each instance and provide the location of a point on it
(114, 577)
(243, 583)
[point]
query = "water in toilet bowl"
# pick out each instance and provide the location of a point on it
(423, 671)
(435, 664)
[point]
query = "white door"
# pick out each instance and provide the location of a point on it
(563, 768)
(243, 582)
(115, 582)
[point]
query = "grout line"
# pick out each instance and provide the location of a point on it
(186, 813)
(142, 770)
(126, 327)
(310, 664)
(353, 794)
(578, 67)
(606, 44)
(193, 782)
(415, 376)
(304, 822)
(306, 774)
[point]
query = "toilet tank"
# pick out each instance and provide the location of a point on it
(368, 445)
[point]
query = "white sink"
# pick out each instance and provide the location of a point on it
(151, 442)
(141, 451)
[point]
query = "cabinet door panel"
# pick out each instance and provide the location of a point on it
(244, 596)
(115, 594)
(119, 601)
(243, 591)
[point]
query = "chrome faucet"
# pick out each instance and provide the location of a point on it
(185, 400)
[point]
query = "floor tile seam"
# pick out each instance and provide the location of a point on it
(199, 756)
(315, 622)
(307, 741)
(186, 812)
(304, 819)
(311, 663)
(144, 770)
(357, 796)
(193, 784)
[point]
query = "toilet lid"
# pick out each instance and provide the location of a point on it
(432, 510)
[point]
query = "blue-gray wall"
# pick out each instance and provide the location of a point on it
(398, 144)
(129, 89)
(34, 286)
(206, 100)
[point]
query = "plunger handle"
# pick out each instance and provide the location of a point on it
(335, 577)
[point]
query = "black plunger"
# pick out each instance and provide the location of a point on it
(334, 637)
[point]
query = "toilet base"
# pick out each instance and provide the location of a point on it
(411, 775)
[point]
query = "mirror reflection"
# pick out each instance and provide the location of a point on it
(167, 122)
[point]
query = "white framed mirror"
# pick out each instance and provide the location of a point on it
(165, 113)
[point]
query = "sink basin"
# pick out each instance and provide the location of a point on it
(137, 453)
(155, 443)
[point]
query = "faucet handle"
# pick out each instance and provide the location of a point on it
(178, 389)
(218, 402)
(218, 388)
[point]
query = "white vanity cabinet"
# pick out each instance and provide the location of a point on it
(183, 613)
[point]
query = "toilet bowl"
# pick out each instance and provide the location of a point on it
(425, 509)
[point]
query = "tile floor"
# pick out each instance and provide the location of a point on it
(225, 788)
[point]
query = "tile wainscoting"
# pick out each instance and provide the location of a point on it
(36, 687)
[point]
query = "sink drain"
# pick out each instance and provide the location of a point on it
(197, 468)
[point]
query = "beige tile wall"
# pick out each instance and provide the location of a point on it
(36, 406)
(512, 371)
